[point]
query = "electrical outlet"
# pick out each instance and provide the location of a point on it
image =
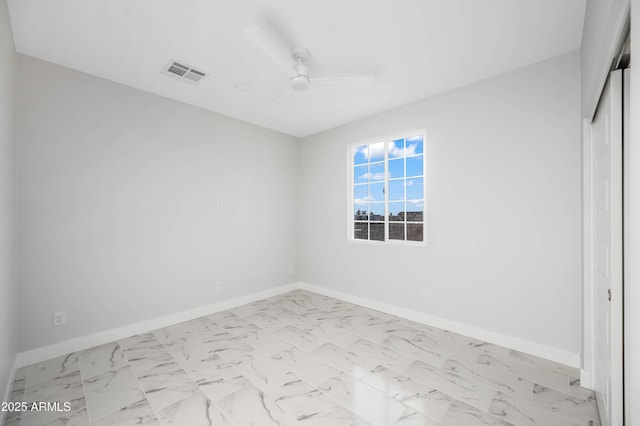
(218, 285)
(59, 318)
(290, 270)
(425, 295)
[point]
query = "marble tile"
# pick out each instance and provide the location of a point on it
(302, 358)
(490, 378)
(265, 321)
(139, 340)
(173, 332)
(304, 365)
(310, 406)
(417, 396)
(528, 370)
(327, 331)
(260, 306)
(12, 419)
(583, 409)
(74, 418)
(250, 406)
(571, 372)
(100, 359)
(293, 318)
(414, 418)
(264, 341)
(363, 400)
(203, 327)
(380, 354)
(461, 414)
(299, 338)
(526, 413)
(408, 347)
(579, 392)
(217, 378)
(293, 303)
(21, 373)
(448, 343)
(344, 360)
(61, 390)
(228, 348)
(148, 354)
(377, 329)
(165, 384)
(138, 413)
(195, 410)
(17, 391)
(111, 391)
(187, 350)
(462, 389)
(232, 323)
(47, 370)
(265, 373)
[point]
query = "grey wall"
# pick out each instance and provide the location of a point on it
(602, 30)
(503, 208)
(118, 197)
(8, 282)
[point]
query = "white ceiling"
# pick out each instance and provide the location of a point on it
(414, 48)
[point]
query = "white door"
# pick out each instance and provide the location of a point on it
(606, 195)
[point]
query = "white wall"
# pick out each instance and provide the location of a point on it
(503, 208)
(118, 195)
(8, 283)
(601, 33)
(632, 265)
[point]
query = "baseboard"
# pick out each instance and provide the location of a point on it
(8, 388)
(586, 379)
(85, 342)
(523, 345)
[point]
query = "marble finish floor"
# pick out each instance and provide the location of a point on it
(302, 359)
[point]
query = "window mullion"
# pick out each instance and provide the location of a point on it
(386, 191)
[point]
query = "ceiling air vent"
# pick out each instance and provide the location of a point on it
(181, 71)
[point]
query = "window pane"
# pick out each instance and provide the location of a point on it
(414, 231)
(396, 189)
(415, 211)
(415, 145)
(360, 212)
(414, 165)
(376, 212)
(361, 174)
(376, 152)
(396, 211)
(415, 189)
(376, 172)
(396, 168)
(377, 231)
(396, 231)
(360, 154)
(396, 148)
(376, 191)
(360, 193)
(361, 230)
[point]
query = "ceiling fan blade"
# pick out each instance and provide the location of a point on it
(343, 81)
(284, 94)
(277, 52)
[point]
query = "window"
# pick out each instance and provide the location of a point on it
(388, 190)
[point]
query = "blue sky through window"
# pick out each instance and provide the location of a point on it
(399, 177)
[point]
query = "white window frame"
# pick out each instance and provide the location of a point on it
(351, 182)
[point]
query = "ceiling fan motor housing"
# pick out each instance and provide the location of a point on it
(300, 82)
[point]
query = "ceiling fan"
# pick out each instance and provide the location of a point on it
(294, 63)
